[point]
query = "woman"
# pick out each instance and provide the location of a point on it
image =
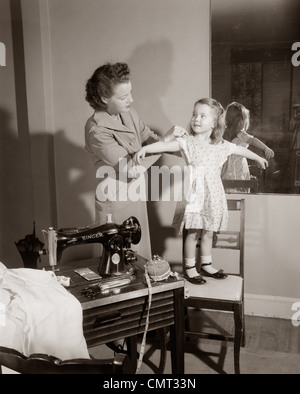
(113, 135)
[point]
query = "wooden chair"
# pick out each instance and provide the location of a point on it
(44, 364)
(225, 294)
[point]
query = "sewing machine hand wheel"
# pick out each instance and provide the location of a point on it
(137, 232)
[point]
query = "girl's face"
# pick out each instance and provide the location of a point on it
(121, 100)
(202, 120)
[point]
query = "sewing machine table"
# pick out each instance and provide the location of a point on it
(109, 317)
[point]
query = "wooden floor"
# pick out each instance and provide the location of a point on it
(261, 333)
(272, 347)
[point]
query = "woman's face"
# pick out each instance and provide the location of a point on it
(121, 100)
(202, 119)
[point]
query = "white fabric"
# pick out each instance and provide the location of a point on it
(39, 315)
(229, 288)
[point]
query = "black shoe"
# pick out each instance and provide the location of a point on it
(217, 275)
(196, 280)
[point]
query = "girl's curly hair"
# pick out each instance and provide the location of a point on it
(218, 115)
(103, 82)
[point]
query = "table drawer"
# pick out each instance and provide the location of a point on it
(126, 318)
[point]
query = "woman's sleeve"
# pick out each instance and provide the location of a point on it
(104, 146)
(109, 151)
(147, 135)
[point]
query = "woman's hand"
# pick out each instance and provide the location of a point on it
(175, 131)
(141, 154)
(269, 153)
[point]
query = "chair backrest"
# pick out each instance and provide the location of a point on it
(44, 364)
(236, 185)
(233, 239)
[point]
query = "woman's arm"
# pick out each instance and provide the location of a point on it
(260, 145)
(157, 147)
(241, 151)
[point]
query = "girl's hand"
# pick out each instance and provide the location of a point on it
(262, 163)
(141, 154)
(269, 153)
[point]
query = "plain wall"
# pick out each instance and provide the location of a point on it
(16, 196)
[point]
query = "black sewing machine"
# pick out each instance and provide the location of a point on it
(116, 240)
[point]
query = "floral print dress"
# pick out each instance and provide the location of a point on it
(237, 166)
(204, 204)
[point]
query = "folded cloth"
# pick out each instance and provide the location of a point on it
(38, 315)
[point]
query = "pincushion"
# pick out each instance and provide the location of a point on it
(158, 269)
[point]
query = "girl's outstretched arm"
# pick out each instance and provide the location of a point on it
(157, 147)
(260, 145)
(241, 151)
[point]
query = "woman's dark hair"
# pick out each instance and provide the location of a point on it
(218, 115)
(237, 118)
(103, 82)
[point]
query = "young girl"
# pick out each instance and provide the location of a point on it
(237, 121)
(205, 210)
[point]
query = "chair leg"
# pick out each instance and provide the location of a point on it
(186, 323)
(243, 343)
(163, 334)
(238, 327)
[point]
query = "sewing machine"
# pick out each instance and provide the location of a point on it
(116, 240)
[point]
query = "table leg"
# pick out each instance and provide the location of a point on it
(177, 333)
(131, 343)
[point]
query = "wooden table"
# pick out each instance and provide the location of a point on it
(109, 317)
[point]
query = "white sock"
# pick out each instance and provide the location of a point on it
(208, 268)
(190, 262)
(206, 259)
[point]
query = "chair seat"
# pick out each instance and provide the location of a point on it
(229, 289)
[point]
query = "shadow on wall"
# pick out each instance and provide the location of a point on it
(75, 178)
(151, 69)
(75, 185)
(15, 190)
(151, 75)
(28, 191)
(28, 171)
